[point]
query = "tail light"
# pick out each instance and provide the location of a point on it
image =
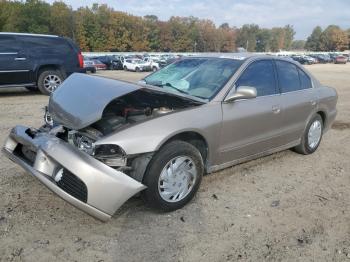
(81, 60)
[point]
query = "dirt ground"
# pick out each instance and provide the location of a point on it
(284, 207)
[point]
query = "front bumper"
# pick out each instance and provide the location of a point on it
(86, 183)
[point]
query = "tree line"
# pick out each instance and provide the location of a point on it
(101, 28)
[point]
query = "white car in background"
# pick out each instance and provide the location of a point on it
(153, 65)
(136, 65)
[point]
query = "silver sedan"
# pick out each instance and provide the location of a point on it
(106, 140)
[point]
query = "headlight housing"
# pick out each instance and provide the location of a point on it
(111, 155)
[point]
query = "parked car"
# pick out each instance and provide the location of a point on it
(136, 65)
(340, 59)
(99, 65)
(37, 61)
(304, 60)
(89, 66)
(323, 58)
(159, 137)
(151, 64)
(111, 62)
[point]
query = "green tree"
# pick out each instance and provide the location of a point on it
(298, 45)
(313, 41)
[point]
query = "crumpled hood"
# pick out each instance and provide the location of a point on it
(81, 99)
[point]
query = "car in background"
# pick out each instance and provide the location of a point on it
(136, 65)
(160, 136)
(89, 66)
(99, 65)
(37, 61)
(323, 58)
(340, 59)
(111, 62)
(152, 64)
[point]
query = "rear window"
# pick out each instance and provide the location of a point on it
(288, 76)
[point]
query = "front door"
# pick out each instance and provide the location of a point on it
(253, 126)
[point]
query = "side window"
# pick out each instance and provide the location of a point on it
(288, 76)
(8, 44)
(305, 80)
(47, 45)
(261, 75)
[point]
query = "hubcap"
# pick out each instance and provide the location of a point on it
(51, 82)
(177, 179)
(314, 134)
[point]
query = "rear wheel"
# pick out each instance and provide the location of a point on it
(173, 176)
(137, 69)
(49, 80)
(312, 136)
(154, 69)
(125, 68)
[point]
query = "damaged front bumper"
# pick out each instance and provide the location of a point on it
(75, 176)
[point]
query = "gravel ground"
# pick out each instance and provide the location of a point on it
(284, 207)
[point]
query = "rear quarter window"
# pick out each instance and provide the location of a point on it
(305, 80)
(47, 45)
(288, 76)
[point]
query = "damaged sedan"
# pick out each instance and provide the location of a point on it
(105, 140)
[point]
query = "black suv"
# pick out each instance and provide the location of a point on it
(37, 61)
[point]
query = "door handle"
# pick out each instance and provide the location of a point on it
(276, 109)
(20, 58)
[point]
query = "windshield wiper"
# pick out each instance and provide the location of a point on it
(177, 89)
(159, 84)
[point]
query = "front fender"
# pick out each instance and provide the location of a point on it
(150, 135)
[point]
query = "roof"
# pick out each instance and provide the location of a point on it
(26, 34)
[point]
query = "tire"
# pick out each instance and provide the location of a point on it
(137, 69)
(125, 68)
(173, 152)
(154, 69)
(93, 71)
(44, 76)
(305, 148)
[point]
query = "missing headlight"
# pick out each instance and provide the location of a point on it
(111, 155)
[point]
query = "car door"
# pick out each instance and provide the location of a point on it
(298, 98)
(14, 68)
(252, 126)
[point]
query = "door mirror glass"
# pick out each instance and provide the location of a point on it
(242, 92)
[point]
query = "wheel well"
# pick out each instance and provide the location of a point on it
(48, 67)
(194, 139)
(323, 116)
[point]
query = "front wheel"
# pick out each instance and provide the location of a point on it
(312, 136)
(173, 176)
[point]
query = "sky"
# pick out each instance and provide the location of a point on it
(304, 15)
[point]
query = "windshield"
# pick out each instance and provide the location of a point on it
(199, 77)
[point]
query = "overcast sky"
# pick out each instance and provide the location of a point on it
(304, 15)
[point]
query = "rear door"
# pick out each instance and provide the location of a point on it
(14, 66)
(297, 96)
(253, 126)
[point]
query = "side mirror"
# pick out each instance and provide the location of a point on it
(242, 92)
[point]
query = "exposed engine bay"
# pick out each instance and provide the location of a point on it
(137, 106)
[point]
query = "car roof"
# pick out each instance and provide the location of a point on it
(27, 34)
